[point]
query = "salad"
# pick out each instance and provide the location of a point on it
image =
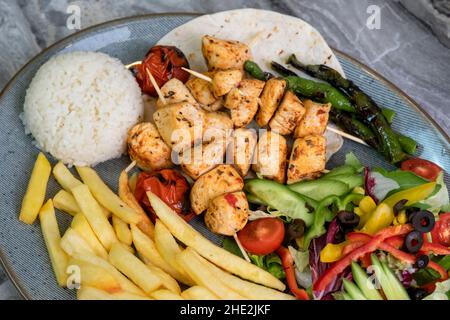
(375, 234)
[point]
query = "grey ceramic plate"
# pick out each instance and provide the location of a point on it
(22, 249)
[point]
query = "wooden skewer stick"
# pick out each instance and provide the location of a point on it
(130, 167)
(155, 85)
(346, 135)
(244, 253)
(197, 74)
(133, 64)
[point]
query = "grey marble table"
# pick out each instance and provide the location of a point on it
(403, 49)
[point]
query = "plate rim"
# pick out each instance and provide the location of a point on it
(5, 263)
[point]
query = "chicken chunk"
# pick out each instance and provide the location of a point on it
(222, 179)
(227, 214)
(224, 54)
(224, 81)
(202, 158)
(288, 114)
(271, 156)
(146, 147)
(247, 88)
(242, 101)
(202, 91)
(307, 158)
(181, 125)
(314, 121)
(174, 91)
(242, 149)
(218, 126)
(270, 99)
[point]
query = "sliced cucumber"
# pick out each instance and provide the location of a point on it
(352, 181)
(362, 280)
(281, 198)
(255, 200)
(320, 189)
(353, 290)
(398, 291)
(342, 170)
(346, 296)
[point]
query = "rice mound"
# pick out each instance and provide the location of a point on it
(80, 106)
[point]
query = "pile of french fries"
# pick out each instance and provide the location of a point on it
(112, 251)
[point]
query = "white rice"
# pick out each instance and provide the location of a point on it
(80, 106)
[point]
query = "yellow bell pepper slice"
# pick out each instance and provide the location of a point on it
(332, 252)
(367, 204)
(382, 217)
(413, 195)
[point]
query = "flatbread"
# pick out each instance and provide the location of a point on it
(270, 35)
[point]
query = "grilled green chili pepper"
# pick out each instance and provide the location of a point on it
(367, 108)
(256, 72)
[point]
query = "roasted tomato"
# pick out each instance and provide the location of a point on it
(164, 63)
(441, 232)
(170, 186)
(423, 168)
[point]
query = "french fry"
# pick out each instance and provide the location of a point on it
(245, 288)
(52, 238)
(95, 276)
(81, 225)
(165, 295)
(64, 177)
(132, 182)
(95, 216)
(147, 249)
(181, 230)
(204, 277)
(122, 230)
(106, 197)
(65, 202)
(167, 281)
(90, 293)
(124, 282)
(198, 293)
(127, 196)
(168, 248)
(36, 190)
(73, 243)
(133, 268)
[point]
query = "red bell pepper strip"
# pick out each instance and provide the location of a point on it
(373, 244)
(352, 246)
(435, 248)
(397, 241)
(289, 269)
(399, 254)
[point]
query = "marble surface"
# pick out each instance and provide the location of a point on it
(404, 49)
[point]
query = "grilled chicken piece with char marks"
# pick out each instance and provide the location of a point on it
(146, 147)
(307, 158)
(271, 156)
(180, 125)
(227, 214)
(224, 54)
(202, 91)
(288, 114)
(174, 91)
(242, 149)
(315, 120)
(242, 101)
(270, 99)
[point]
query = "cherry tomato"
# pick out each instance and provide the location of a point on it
(164, 63)
(423, 168)
(170, 186)
(441, 232)
(262, 236)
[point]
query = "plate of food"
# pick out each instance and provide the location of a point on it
(225, 156)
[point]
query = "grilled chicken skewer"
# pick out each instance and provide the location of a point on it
(334, 130)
